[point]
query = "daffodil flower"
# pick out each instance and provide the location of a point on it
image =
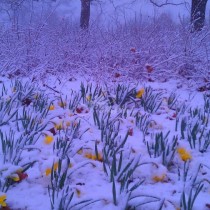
(88, 155)
(59, 126)
(78, 192)
(15, 177)
(184, 155)
(94, 157)
(55, 166)
(88, 98)
(140, 93)
(2, 200)
(68, 123)
(52, 107)
(48, 170)
(62, 104)
(48, 139)
(159, 178)
(80, 151)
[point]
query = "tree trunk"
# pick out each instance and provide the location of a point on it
(198, 11)
(85, 14)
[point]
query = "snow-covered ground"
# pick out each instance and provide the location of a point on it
(74, 136)
(124, 123)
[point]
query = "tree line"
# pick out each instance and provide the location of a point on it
(198, 13)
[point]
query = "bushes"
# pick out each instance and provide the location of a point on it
(60, 46)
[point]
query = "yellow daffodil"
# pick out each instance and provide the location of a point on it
(140, 93)
(181, 150)
(48, 170)
(88, 155)
(184, 155)
(68, 123)
(52, 107)
(48, 139)
(15, 177)
(2, 200)
(88, 98)
(62, 104)
(78, 192)
(94, 157)
(100, 157)
(159, 178)
(55, 166)
(59, 126)
(80, 151)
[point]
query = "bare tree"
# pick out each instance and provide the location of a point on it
(198, 11)
(85, 14)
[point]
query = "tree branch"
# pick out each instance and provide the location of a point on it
(165, 3)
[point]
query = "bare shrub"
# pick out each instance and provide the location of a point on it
(57, 46)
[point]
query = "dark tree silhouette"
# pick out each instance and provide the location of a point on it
(85, 14)
(198, 11)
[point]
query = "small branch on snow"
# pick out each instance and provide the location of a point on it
(51, 88)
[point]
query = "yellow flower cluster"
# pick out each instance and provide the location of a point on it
(94, 157)
(184, 155)
(140, 93)
(2, 200)
(48, 170)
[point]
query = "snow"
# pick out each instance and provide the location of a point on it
(87, 178)
(122, 146)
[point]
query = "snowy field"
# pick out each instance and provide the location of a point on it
(113, 118)
(82, 145)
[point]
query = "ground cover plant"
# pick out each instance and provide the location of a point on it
(98, 146)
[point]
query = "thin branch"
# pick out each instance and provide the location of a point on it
(165, 3)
